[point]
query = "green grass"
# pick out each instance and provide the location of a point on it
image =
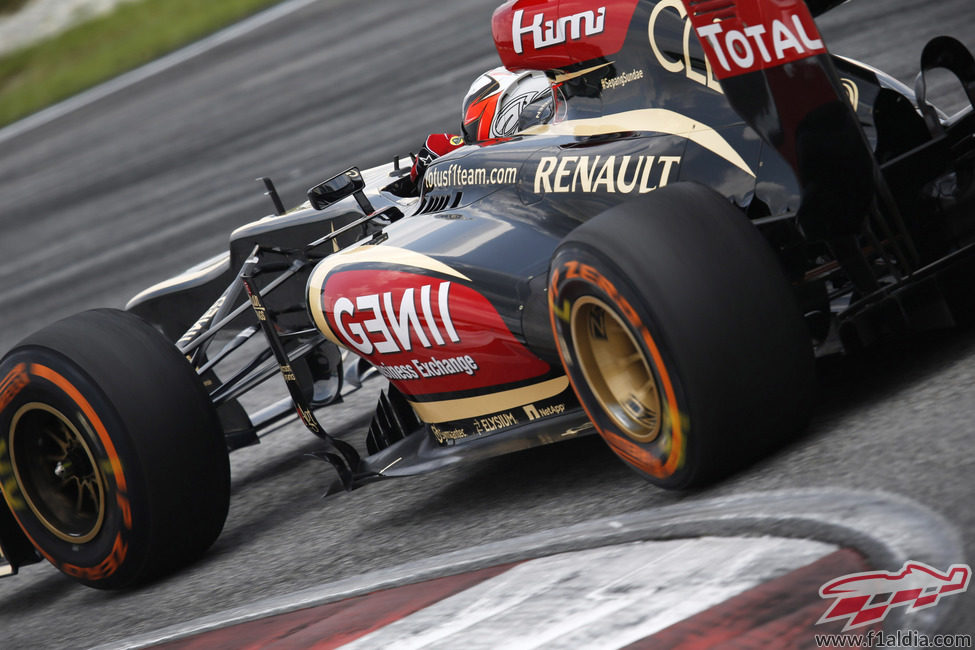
(87, 54)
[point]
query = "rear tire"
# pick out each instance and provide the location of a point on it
(680, 335)
(112, 459)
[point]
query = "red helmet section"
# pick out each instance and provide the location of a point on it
(479, 110)
(554, 34)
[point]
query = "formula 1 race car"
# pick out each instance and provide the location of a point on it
(705, 201)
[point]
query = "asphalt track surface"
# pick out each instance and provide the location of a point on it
(114, 196)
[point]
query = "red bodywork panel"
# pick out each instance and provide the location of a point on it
(741, 36)
(427, 335)
(554, 34)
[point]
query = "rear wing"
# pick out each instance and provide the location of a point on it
(775, 71)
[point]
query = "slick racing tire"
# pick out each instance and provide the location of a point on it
(112, 459)
(680, 335)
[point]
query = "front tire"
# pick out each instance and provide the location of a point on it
(112, 459)
(680, 335)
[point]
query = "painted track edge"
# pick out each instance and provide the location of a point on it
(887, 529)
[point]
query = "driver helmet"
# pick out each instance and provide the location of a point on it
(495, 101)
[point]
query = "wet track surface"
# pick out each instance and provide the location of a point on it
(99, 204)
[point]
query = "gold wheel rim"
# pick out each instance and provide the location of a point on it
(616, 369)
(57, 473)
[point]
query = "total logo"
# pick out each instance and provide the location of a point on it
(547, 33)
(754, 40)
(377, 323)
(739, 47)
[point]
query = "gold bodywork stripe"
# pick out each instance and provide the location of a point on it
(469, 407)
(561, 77)
(386, 254)
(648, 119)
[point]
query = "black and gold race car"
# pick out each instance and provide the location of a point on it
(705, 202)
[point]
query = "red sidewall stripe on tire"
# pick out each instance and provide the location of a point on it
(46, 373)
(621, 445)
(117, 554)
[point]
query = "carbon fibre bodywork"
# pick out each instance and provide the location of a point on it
(450, 304)
(862, 189)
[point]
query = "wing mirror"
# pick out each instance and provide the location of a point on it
(340, 186)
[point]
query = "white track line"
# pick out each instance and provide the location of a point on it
(607, 597)
(159, 65)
